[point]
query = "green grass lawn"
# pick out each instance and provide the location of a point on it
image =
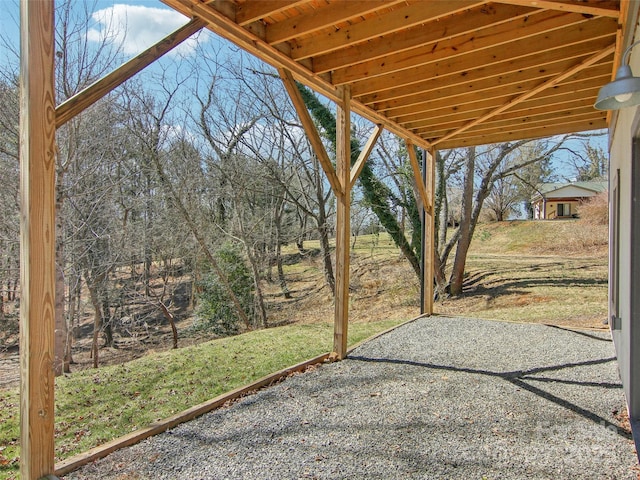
(516, 271)
(95, 406)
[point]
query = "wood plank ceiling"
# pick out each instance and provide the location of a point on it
(442, 73)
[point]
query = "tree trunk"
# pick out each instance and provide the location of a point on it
(457, 273)
(262, 311)
(323, 230)
(278, 249)
(60, 335)
(106, 319)
(171, 318)
(97, 319)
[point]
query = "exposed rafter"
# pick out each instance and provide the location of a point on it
(407, 62)
(599, 9)
(548, 84)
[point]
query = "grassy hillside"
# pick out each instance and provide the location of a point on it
(551, 272)
(546, 272)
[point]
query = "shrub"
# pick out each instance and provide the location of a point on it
(595, 210)
(216, 311)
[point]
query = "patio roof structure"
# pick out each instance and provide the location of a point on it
(442, 74)
(439, 74)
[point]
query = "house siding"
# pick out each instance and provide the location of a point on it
(627, 338)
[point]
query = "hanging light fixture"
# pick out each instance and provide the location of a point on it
(624, 91)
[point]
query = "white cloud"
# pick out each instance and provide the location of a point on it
(136, 27)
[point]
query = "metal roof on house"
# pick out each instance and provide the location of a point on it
(590, 186)
(440, 73)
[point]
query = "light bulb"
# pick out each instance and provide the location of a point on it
(623, 97)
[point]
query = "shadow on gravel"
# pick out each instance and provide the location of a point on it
(519, 378)
(578, 332)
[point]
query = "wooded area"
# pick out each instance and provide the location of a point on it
(204, 174)
(173, 180)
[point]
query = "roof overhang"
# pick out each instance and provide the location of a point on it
(441, 74)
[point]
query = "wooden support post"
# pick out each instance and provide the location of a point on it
(424, 198)
(428, 222)
(37, 238)
(425, 186)
(343, 227)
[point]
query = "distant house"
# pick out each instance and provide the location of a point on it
(561, 200)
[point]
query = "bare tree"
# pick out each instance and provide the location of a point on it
(483, 168)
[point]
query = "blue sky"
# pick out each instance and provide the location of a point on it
(132, 24)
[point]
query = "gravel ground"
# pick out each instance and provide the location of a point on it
(438, 398)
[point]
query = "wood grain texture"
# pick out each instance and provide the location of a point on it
(424, 199)
(477, 41)
(343, 225)
(321, 18)
(413, 13)
(548, 84)
(37, 239)
(592, 7)
(357, 167)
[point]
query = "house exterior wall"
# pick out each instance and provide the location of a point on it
(550, 210)
(620, 167)
(626, 275)
(570, 191)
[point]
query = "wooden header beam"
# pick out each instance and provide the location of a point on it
(37, 238)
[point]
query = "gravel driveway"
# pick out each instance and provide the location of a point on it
(438, 398)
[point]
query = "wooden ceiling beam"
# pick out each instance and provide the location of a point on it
(547, 84)
(450, 122)
(477, 42)
(249, 12)
(446, 112)
(472, 104)
(597, 8)
(378, 91)
(462, 93)
(414, 13)
(443, 29)
(326, 16)
(549, 112)
(532, 133)
(540, 47)
(226, 28)
(524, 126)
